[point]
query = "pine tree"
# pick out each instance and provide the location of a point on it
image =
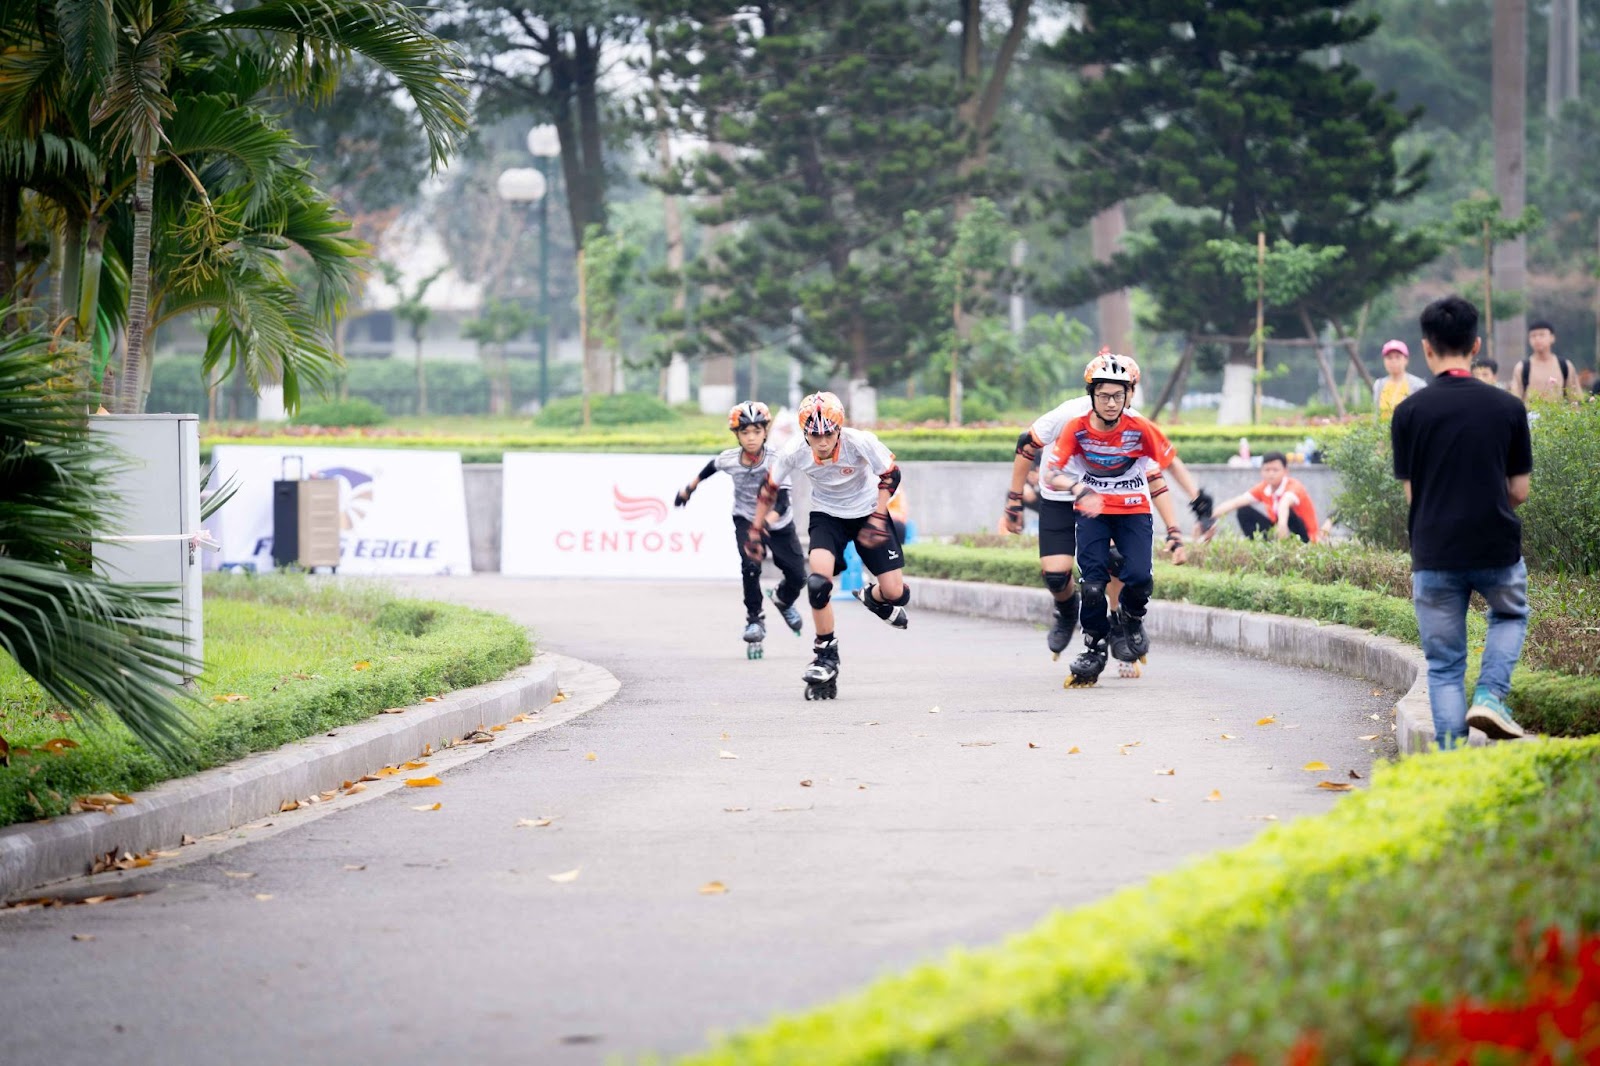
(828, 121)
(1239, 116)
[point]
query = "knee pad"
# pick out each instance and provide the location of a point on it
(750, 568)
(1135, 597)
(1114, 561)
(902, 599)
(1093, 590)
(1058, 584)
(819, 590)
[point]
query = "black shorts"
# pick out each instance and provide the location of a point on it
(1058, 528)
(832, 534)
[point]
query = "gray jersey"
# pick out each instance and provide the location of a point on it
(747, 482)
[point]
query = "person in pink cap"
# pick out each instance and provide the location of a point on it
(1388, 391)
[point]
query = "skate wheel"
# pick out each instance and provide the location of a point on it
(752, 651)
(1079, 682)
(1128, 670)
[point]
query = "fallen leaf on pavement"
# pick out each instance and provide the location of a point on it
(427, 806)
(726, 736)
(1369, 736)
(1314, 765)
(100, 801)
(356, 866)
(532, 823)
(354, 787)
(238, 875)
(591, 757)
(393, 710)
(289, 805)
(1335, 786)
(1031, 744)
(713, 888)
(83, 936)
(559, 697)
(566, 878)
(1263, 817)
(726, 755)
(1375, 718)
(413, 764)
(1268, 720)
(186, 840)
(263, 896)
(1074, 750)
(1229, 736)
(423, 782)
(1214, 797)
(387, 771)
(1167, 773)
(806, 783)
(430, 699)
(497, 729)
(1355, 775)
(977, 743)
(933, 710)
(1158, 799)
(735, 810)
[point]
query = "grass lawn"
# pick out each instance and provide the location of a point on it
(286, 657)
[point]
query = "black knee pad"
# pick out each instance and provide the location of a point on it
(1093, 590)
(1058, 584)
(1135, 597)
(1114, 561)
(903, 599)
(749, 568)
(819, 590)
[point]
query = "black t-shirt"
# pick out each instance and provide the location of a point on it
(1457, 442)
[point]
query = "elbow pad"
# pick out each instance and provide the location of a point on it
(781, 504)
(769, 493)
(889, 480)
(1027, 447)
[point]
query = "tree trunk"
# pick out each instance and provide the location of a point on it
(1510, 97)
(132, 373)
(1561, 79)
(675, 377)
(1238, 385)
(962, 335)
(1116, 310)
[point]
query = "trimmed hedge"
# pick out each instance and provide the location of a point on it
(412, 649)
(1116, 981)
(1551, 703)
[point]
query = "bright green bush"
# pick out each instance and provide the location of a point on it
(934, 409)
(352, 412)
(623, 409)
(1061, 992)
(1561, 520)
(1370, 501)
(288, 644)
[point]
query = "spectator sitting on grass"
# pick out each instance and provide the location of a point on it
(1487, 371)
(1387, 392)
(1278, 507)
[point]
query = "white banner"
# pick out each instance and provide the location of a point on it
(573, 515)
(400, 511)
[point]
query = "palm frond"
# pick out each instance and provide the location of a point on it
(88, 30)
(264, 330)
(255, 146)
(133, 101)
(33, 84)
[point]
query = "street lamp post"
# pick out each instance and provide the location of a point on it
(544, 145)
(524, 185)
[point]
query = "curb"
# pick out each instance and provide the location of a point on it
(1340, 649)
(256, 786)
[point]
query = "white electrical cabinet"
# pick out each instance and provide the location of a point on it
(154, 467)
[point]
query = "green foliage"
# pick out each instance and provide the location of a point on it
(1284, 276)
(1561, 520)
(352, 412)
(289, 644)
(1370, 501)
(1276, 930)
(935, 408)
(623, 409)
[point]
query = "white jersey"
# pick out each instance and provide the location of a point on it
(1048, 426)
(747, 482)
(846, 485)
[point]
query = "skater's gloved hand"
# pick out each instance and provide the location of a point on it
(1090, 503)
(1013, 519)
(683, 496)
(1202, 505)
(755, 546)
(877, 531)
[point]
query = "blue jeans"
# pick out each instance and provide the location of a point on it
(1133, 537)
(1440, 597)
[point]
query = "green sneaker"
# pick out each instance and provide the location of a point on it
(1490, 714)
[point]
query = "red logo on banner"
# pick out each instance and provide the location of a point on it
(634, 508)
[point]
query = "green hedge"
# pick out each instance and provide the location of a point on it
(412, 649)
(1339, 923)
(1553, 703)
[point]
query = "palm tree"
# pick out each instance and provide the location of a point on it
(89, 642)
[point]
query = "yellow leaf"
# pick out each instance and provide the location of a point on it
(423, 782)
(566, 878)
(1074, 750)
(726, 755)
(393, 710)
(725, 736)
(559, 697)
(387, 771)
(427, 749)
(713, 888)
(1268, 720)
(228, 697)
(328, 795)
(288, 805)
(1167, 773)
(58, 745)
(497, 729)
(430, 699)
(532, 823)
(413, 765)
(591, 757)
(427, 806)
(1229, 736)
(1315, 765)
(263, 896)
(141, 862)
(363, 665)
(355, 787)
(1335, 786)
(1214, 797)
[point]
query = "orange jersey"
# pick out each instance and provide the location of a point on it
(1302, 506)
(1113, 462)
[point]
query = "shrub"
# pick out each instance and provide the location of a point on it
(352, 412)
(623, 409)
(1561, 520)
(934, 409)
(1370, 501)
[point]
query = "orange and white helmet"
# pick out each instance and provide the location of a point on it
(821, 412)
(1108, 366)
(749, 413)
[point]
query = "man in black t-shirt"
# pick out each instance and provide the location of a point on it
(1463, 451)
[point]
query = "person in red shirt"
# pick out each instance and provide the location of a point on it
(1278, 507)
(1102, 461)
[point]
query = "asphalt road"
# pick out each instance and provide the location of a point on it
(936, 803)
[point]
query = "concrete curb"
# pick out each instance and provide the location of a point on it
(257, 785)
(1341, 649)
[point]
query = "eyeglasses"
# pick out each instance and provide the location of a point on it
(1111, 397)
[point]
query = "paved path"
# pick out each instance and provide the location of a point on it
(918, 831)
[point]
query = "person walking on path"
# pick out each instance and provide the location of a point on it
(1278, 507)
(1057, 515)
(1387, 392)
(1544, 375)
(852, 476)
(748, 465)
(1463, 452)
(1102, 460)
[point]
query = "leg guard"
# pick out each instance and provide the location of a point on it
(819, 590)
(1095, 622)
(893, 612)
(1136, 597)
(1060, 586)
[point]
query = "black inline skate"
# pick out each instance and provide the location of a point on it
(1062, 628)
(755, 631)
(822, 676)
(1130, 644)
(790, 613)
(1086, 668)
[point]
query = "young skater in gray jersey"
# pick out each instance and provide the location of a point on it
(748, 466)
